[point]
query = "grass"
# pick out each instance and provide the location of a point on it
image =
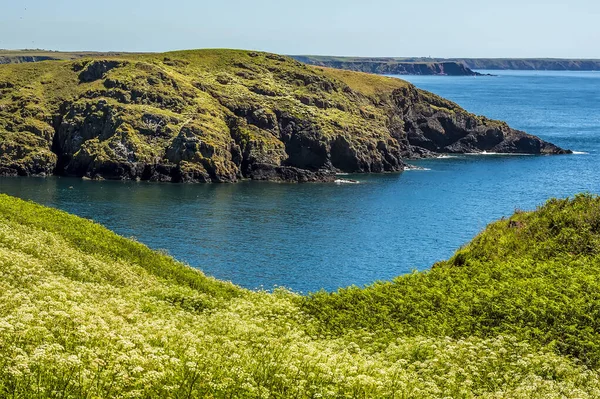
(85, 313)
(533, 277)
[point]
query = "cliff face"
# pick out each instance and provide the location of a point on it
(533, 64)
(19, 59)
(447, 66)
(221, 115)
(390, 67)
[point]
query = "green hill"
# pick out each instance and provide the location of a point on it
(226, 115)
(85, 313)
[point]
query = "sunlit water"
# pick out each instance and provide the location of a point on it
(312, 236)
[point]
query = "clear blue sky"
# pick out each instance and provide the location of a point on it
(437, 28)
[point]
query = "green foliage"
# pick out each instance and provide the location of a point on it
(533, 276)
(86, 313)
(95, 240)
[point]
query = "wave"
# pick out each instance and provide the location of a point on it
(412, 167)
(447, 156)
(345, 181)
(580, 153)
(518, 154)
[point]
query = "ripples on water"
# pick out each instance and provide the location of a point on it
(313, 236)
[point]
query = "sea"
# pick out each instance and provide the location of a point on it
(323, 236)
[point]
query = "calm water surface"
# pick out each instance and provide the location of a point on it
(312, 236)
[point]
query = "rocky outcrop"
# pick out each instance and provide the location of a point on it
(444, 127)
(223, 116)
(95, 70)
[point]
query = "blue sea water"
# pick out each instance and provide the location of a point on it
(313, 236)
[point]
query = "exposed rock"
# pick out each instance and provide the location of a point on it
(97, 69)
(270, 172)
(444, 127)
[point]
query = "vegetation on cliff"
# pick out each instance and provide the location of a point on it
(224, 115)
(86, 313)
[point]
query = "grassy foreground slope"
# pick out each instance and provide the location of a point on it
(85, 313)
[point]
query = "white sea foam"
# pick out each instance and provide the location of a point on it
(518, 154)
(580, 153)
(345, 181)
(447, 156)
(412, 167)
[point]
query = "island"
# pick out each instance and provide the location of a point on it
(227, 115)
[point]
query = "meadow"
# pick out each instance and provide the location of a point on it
(85, 313)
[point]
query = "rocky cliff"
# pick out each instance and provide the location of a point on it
(222, 116)
(390, 66)
(531, 64)
(447, 66)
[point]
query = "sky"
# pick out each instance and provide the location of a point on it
(436, 28)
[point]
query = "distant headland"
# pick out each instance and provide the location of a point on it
(447, 66)
(378, 65)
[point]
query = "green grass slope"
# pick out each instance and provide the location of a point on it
(85, 313)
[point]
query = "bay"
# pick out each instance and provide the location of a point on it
(323, 236)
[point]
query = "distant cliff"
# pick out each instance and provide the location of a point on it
(531, 64)
(27, 56)
(447, 66)
(384, 66)
(19, 59)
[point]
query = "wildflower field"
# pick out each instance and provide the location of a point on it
(85, 313)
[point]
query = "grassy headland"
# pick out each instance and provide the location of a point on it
(85, 313)
(226, 115)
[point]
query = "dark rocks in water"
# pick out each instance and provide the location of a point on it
(289, 174)
(183, 118)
